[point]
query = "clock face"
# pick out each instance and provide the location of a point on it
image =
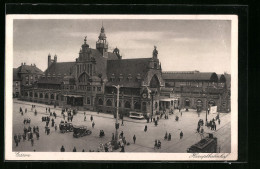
(144, 95)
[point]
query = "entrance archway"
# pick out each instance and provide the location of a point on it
(187, 102)
(212, 103)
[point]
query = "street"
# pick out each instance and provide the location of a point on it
(144, 140)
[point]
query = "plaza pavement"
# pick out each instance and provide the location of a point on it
(145, 140)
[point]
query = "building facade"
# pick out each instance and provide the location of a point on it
(199, 90)
(88, 83)
(25, 76)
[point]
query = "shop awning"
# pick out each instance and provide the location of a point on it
(76, 96)
(167, 100)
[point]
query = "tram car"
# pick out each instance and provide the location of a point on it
(65, 127)
(205, 145)
(80, 131)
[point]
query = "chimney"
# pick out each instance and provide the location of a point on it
(55, 58)
(49, 60)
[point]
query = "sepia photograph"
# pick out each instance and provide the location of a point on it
(121, 87)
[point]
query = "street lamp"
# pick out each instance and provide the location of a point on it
(117, 124)
(152, 94)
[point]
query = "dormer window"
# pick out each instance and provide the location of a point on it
(138, 77)
(112, 78)
(120, 77)
(129, 77)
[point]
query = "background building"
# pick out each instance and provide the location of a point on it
(25, 76)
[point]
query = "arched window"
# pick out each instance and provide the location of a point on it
(46, 96)
(144, 106)
(109, 103)
(57, 97)
(212, 103)
(116, 104)
(26, 93)
(127, 105)
(52, 96)
(35, 94)
(100, 101)
(31, 94)
(41, 95)
(154, 83)
(137, 105)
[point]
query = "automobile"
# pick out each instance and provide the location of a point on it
(65, 127)
(136, 115)
(80, 131)
(205, 145)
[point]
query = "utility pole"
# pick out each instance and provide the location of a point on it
(117, 124)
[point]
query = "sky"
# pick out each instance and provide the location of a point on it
(183, 45)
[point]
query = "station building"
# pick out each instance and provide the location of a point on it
(88, 83)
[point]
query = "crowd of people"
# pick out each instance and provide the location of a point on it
(69, 113)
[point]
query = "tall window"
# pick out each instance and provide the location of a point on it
(109, 103)
(99, 89)
(137, 105)
(127, 104)
(88, 100)
(52, 96)
(100, 101)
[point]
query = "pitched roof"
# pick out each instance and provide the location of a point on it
(15, 75)
(126, 67)
(193, 75)
(50, 80)
(60, 68)
(29, 69)
(112, 56)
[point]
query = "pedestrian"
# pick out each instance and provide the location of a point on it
(16, 142)
(219, 121)
(134, 138)
(181, 113)
(145, 128)
(25, 110)
(62, 149)
(122, 124)
(32, 141)
(166, 136)
(48, 131)
(122, 134)
(37, 135)
(84, 113)
(24, 137)
(85, 118)
(113, 137)
(91, 117)
(122, 148)
(19, 137)
(215, 127)
(71, 118)
(74, 149)
(169, 137)
(55, 127)
(46, 109)
(93, 124)
(181, 135)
